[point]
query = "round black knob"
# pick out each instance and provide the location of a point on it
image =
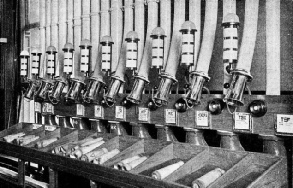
(226, 85)
(151, 105)
(181, 105)
(228, 68)
(257, 108)
(215, 106)
(126, 103)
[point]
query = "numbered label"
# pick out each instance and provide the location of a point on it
(79, 110)
(202, 118)
(48, 108)
(99, 111)
(242, 121)
(284, 124)
(143, 114)
(36, 126)
(170, 116)
(113, 126)
(38, 107)
(120, 112)
(50, 128)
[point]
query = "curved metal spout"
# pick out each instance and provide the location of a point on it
(64, 122)
(110, 97)
(230, 140)
(195, 136)
(93, 89)
(74, 93)
(44, 89)
(32, 89)
(234, 96)
(55, 95)
(197, 81)
(136, 92)
(162, 95)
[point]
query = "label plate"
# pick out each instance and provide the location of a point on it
(202, 118)
(170, 116)
(120, 112)
(242, 121)
(284, 124)
(99, 111)
(80, 110)
(143, 114)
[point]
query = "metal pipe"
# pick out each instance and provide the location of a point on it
(86, 21)
(165, 23)
(116, 28)
(273, 56)
(48, 23)
(139, 27)
(60, 76)
(69, 21)
(54, 24)
(230, 140)
(143, 70)
(273, 145)
(140, 130)
(117, 80)
(229, 6)
(195, 17)
(241, 74)
(195, 136)
(95, 31)
(168, 77)
(164, 133)
(96, 81)
(200, 74)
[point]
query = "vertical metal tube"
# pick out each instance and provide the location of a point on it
(175, 48)
(116, 31)
(139, 27)
(241, 74)
(70, 21)
(165, 16)
(95, 31)
(77, 39)
(273, 57)
(229, 6)
(48, 23)
(54, 24)
(62, 34)
(208, 40)
(249, 35)
(86, 22)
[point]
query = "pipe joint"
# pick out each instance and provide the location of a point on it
(110, 97)
(32, 89)
(234, 96)
(92, 91)
(198, 79)
(136, 92)
(74, 93)
(55, 95)
(162, 95)
(45, 87)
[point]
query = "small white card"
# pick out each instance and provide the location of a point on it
(284, 124)
(120, 112)
(50, 128)
(143, 114)
(36, 126)
(80, 110)
(242, 121)
(38, 107)
(202, 118)
(170, 116)
(48, 108)
(99, 111)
